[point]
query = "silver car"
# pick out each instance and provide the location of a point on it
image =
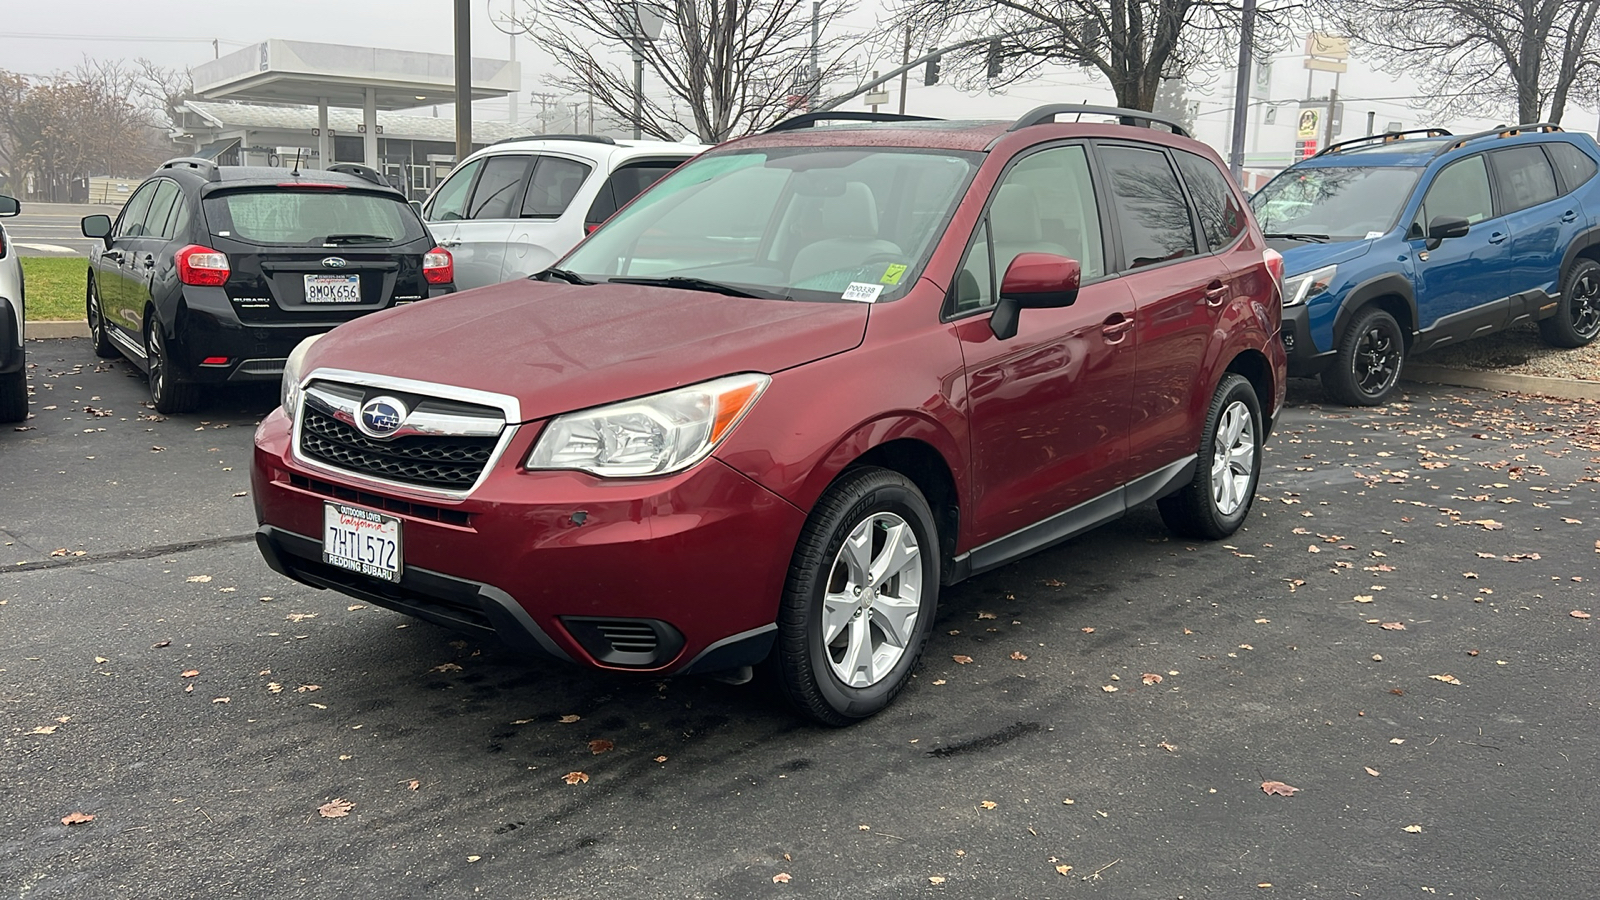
(13, 374)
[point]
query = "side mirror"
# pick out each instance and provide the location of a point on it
(1443, 227)
(1034, 281)
(98, 226)
(9, 206)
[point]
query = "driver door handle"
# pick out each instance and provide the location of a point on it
(1570, 215)
(1497, 237)
(450, 242)
(1116, 327)
(1216, 293)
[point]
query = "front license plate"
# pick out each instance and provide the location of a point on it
(361, 540)
(333, 288)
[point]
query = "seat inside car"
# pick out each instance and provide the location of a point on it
(1014, 218)
(842, 233)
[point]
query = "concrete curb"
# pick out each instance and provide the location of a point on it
(57, 329)
(1565, 389)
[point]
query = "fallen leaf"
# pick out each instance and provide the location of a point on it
(307, 688)
(1064, 869)
(1488, 524)
(45, 729)
(1371, 771)
(1150, 678)
(986, 615)
(1446, 678)
(1169, 747)
(988, 804)
(1397, 740)
(473, 858)
(1412, 829)
(936, 879)
(961, 660)
(1393, 626)
(1018, 655)
(1278, 788)
(336, 809)
(576, 778)
(445, 667)
(355, 606)
(600, 745)
(189, 673)
(568, 719)
(413, 784)
(661, 759)
(299, 617)
(159, 644)
(198, 579)
(77, 818)
(222, 700)
(1090, 630)
(781, 878)
(1110, 688)
(1578, 614)
(274, 688)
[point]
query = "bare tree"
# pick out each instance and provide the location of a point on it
(67, 127)
(1133, 43)
(1482, 56)
(726, 67)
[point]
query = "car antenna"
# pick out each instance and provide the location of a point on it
(296, 171)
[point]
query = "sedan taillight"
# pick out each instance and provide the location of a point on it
(438, 267)
(202, 266)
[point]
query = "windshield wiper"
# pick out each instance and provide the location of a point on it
(1297, 236)
(356, 239)
(691, 284)
(563, 274)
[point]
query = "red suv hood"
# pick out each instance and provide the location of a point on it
(558, 348)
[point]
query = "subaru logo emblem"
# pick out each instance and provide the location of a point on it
(381, 417)
(333, 262)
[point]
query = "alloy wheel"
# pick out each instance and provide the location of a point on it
(1233, 458)
(156, 353)
(1584, 306)
(1377, 360)
(872, 600)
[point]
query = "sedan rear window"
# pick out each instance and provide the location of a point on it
(298, 217)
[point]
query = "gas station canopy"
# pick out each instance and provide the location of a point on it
(303, 72)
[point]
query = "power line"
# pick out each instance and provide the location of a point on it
(118, 37)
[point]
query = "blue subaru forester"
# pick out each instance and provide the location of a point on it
(1400, 242)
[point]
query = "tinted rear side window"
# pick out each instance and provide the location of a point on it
(1156, 226)
(555, 183)
(1525, 177)
(499, 187)
(625, 184)
(1574, 165)
(161, 210)
(310, 217)
(1221, 216)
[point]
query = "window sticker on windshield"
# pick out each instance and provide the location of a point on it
(892, 274)
(1373, 234)
(862, 293)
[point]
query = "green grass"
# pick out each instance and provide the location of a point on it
(54, 287)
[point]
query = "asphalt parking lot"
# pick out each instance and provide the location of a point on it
(1395, 635)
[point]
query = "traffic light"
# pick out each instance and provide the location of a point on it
(994, 58)
(930, 73)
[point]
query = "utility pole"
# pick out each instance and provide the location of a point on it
(904, 58)
(1241, 90)
(463, 50)
(816, 70)
(1333, 104)
(511, 116)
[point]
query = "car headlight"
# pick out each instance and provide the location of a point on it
(1300, 288)
(667, 432)
(289, 390)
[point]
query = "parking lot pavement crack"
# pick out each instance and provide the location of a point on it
(124, 555)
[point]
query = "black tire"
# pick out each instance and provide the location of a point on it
(1367, 367)
(14, 396)
(170, 396)
(803, 663)
(1196, 511)
(1577, 319)
(96, 316)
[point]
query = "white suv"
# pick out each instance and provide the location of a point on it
(514, 208)
(13, 372)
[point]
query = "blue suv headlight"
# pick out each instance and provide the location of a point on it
(1300, 288)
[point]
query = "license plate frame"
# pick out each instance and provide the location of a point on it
(371, 542)
(344, 288)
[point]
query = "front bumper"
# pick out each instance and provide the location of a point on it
(1304, 357)
(674, 574)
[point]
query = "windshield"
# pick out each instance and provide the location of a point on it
(803, 222)
(1344, 203)
(291, 217)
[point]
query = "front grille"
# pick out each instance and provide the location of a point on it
(450, 463)
(379, 501)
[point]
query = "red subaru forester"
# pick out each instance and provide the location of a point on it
(775, 403)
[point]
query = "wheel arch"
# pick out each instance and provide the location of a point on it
(1586, 245)
(1392, 292)
(928, 470)
(1254, 366)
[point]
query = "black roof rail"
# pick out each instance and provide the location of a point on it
(1046, 114)
(1385, 138)
(809, 120)
(1502, 131)
(591, 138)
(205, 167)
(365, 173)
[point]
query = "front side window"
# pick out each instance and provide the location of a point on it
(450, 203)
(1046, 204)
(803, 222)
(1156, 225)
(1461, 191)
(311, 217)
(499, 187)
(1525, 176)
(1345, 203)
(132, 221)
(555, 182)
(1221, 216)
